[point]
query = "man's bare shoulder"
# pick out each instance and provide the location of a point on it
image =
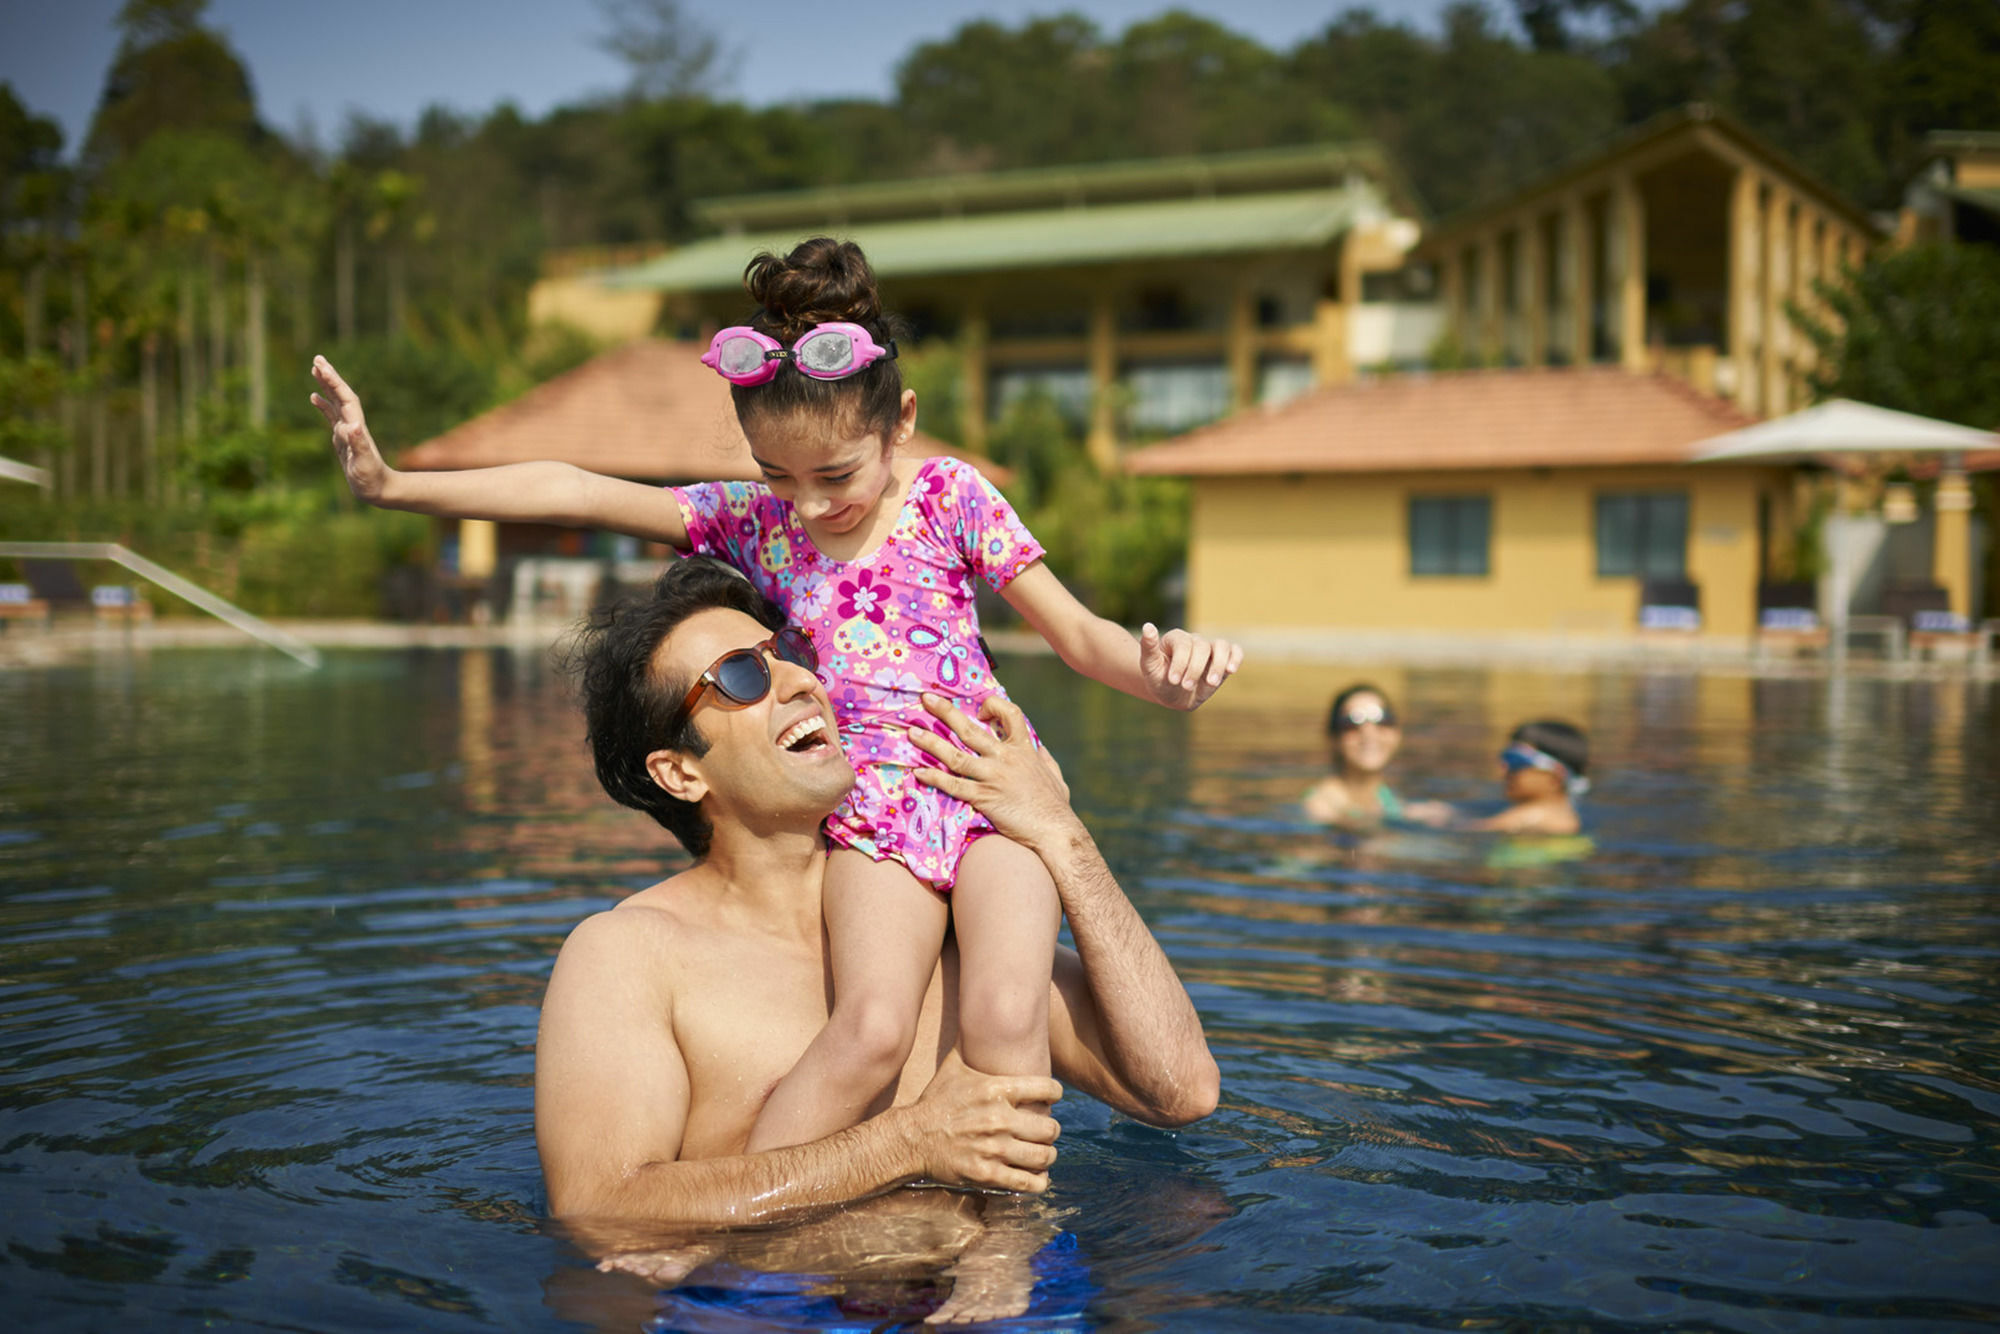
(647, 924)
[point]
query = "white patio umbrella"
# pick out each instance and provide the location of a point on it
(1841, 426)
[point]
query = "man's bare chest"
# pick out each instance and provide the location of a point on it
(742, 1021)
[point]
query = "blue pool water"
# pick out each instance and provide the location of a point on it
(272, 943)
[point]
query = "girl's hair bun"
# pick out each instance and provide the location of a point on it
(820, 280)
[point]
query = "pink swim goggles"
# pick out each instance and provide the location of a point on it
(741, 355)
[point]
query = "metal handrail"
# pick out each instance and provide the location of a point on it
(226, 612)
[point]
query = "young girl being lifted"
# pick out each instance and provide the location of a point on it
(872, 553)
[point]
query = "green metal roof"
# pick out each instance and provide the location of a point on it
(1037, 239)
(1262, 171)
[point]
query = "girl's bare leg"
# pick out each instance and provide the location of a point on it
(1005, 911)
(884, 928)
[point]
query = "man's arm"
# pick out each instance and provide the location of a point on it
(612, 1098)
(1124, 1029)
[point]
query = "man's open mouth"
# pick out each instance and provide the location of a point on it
(804, 735)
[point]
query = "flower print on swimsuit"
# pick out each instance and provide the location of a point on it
(862, 596)
(894, 688)
(860, 638)
(774, 553)
(812, 597)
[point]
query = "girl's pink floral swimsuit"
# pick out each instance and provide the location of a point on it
(888, 626)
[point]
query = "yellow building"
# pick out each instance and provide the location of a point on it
(1678, 247)
(1956, 195)
(1145, 297)
(1530, 501)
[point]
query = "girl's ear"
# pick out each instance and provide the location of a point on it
(906, 421)
(678, 774)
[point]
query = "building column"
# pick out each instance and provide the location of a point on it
(1534, 279)
(1451, 283)
(1628, 209)
(1488, 345)
(1772, 320)
(1744, 244)
(1240, 348)
(1102, 441)
(1951, 542)
(478, 547)
(1329, 342)
(1576, 278)
(976, 373)
(1805, 273)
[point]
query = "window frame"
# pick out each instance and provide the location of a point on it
(1454, 506)
(1644, 519)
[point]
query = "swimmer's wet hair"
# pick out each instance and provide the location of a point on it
(820, 281)
(631, 710)
(1557, 739)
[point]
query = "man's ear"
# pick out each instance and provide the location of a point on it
(678, 774)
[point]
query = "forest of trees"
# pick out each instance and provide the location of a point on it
(163, 283)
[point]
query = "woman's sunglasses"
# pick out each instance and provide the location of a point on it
(743, 677)
(1360, 715)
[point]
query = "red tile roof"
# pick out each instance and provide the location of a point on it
(648, 411)
(1573, 416)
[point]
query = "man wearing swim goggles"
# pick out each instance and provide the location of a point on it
(1520, 755)
(1541, 787)
(832, 351)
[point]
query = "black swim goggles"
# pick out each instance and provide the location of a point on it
(741, 675)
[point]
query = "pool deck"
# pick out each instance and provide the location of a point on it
(73, 640)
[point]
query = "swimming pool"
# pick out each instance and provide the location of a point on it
(272, 943)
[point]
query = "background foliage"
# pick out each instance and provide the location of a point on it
(163, 286)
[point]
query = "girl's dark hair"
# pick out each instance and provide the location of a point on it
(819, 281)
(1557, 739)
(630, 710)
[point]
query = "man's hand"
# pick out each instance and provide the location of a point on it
(1000, 773)
(360, 461)
(1182, 670)
(973, 1129)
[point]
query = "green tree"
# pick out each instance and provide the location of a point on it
(1917, 330)
(1468, 117)
(1807, 74)
(170, 73)
(988, 96)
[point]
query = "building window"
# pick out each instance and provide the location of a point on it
(1166, 399)
(1642, 533)
(1070, 391)
(1281, 381)
(1450, 534)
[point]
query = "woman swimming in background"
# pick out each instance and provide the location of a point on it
(1365, 736)
(1544, 762)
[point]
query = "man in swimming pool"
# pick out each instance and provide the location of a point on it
(669, 1018)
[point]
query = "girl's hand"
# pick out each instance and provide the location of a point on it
(1182, 670)
(367, 475)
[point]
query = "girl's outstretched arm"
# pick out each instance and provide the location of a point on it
(523, 492)
(1177, 669)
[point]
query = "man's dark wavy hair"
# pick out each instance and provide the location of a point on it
(630, 709)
